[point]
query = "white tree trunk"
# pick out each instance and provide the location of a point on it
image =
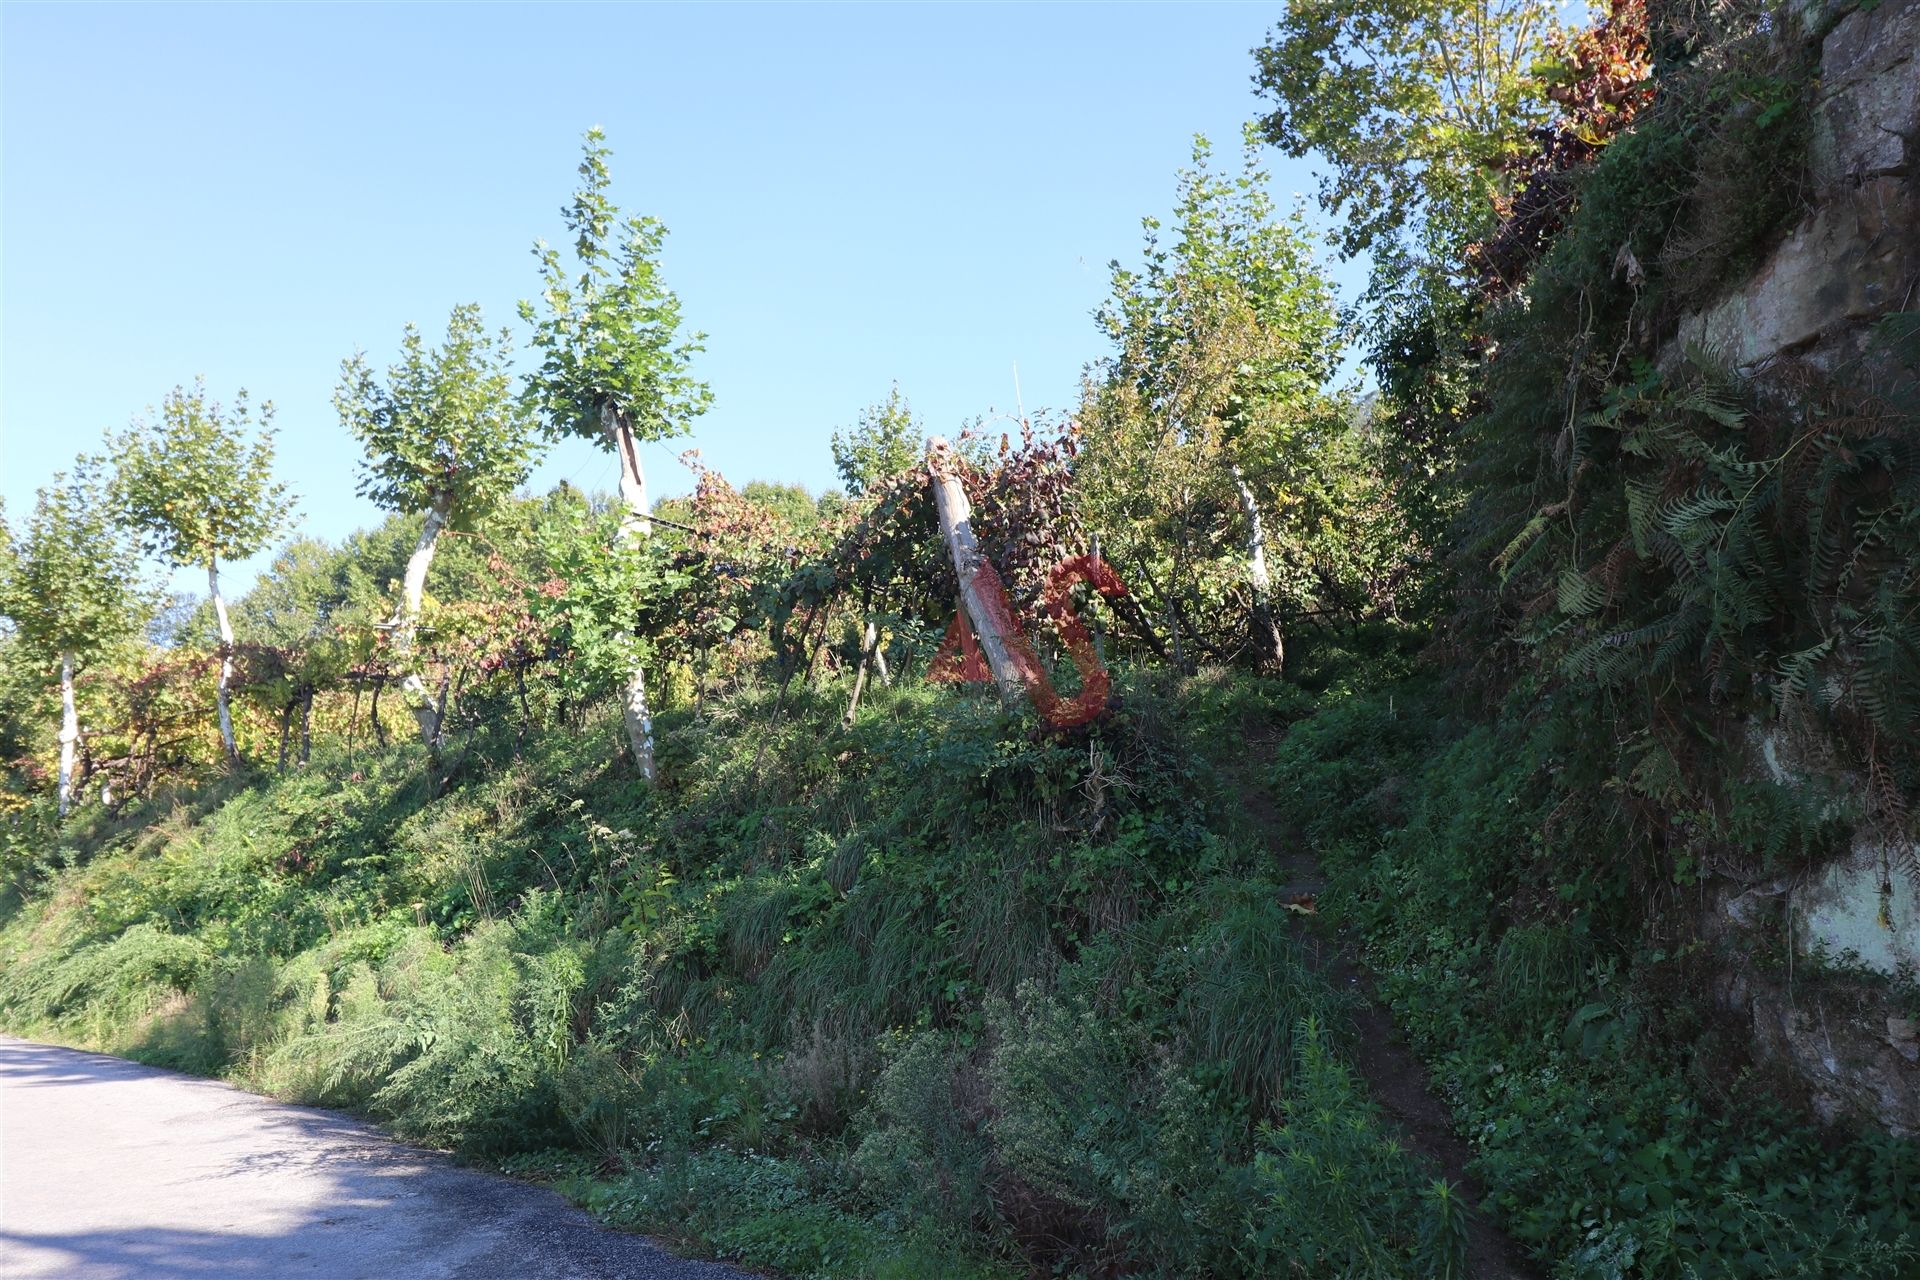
(69, 732)
(633, 478)
(635, 527)
(221, 699)
(987, 614)
(869, 647)
(413, 589)
(1266, 625)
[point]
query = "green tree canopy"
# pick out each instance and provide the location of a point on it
(885, 441)
(1232, 264)
(1210, 439)
(70, 591)
(198, 487)
(1416, 106)
(445, 427)
(69, 581)
(197, 483)
(608, 331)
(798, 511)
(614, 364)
(290, 603)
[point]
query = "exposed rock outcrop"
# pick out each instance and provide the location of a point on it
(1850, 925)
(1856, 255)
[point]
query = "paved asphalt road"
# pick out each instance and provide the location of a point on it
(111, 1170)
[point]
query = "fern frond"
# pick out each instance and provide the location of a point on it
(1714, 403)
(1688, 521)
(1579, 595)
(1796, 672)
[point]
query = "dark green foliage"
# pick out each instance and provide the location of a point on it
(1566, 423)
(1761, 542)
(1244, 988)
(923, 1147)
(777, 1213)
(1512, 910)
(1637, 523)
(926, 987)
(1335, 1203)
(1661, 568)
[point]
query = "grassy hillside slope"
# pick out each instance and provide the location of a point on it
(938, 996)
(932, 994)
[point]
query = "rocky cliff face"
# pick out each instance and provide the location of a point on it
(1856, 255)
(1843, 1020)
(1839, 1016)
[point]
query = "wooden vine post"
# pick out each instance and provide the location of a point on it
(978, 599)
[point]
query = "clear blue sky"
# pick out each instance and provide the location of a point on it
(857, 194)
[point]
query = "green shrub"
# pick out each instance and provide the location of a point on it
(770, 1212)
(924, 1151)
(1336, 1196)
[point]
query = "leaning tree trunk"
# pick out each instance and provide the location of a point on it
(984, 605)
(221, 700)
(373, 712)
(353, 721)
(69, 732)
(413, 686)
(1266, 626)
(635, 528)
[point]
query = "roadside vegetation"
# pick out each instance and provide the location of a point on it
(684, 852)
(923, 984)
